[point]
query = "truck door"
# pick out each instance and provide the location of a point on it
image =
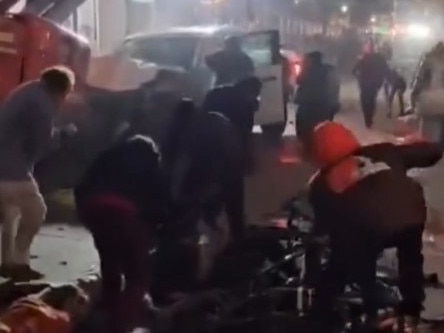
(263, 49)
(11, 55)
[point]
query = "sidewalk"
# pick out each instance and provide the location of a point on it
(63, 253)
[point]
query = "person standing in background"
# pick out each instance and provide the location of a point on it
(371, 71)
(397, 87)
(313, 95)
(231, 64)
(26, 133)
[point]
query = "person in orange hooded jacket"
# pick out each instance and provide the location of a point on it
(364, 200)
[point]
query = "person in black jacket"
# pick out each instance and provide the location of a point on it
(371, 71)
(364, 200)
(231, 64)
(397, 87)
(239, 103)
(312, 96)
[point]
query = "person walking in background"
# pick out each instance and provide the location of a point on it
(231, 64)
(312, 96)
(397, 87)
(26, 133)
(371, 70)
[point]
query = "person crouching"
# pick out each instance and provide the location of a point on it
(120, 201)
(365, 201)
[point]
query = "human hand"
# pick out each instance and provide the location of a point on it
(411, 138)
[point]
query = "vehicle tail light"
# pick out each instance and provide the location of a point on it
(297, 69)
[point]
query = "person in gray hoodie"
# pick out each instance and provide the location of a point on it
(26, 133)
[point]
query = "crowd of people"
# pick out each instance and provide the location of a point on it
(140, 195)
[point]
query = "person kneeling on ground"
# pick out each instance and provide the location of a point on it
(120, 200)
(364, 200)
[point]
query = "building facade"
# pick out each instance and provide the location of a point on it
(105, 23)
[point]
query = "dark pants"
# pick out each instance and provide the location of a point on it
(368, 96)
(309, 115)
(122, 243)
(353, 259)
(399, 92)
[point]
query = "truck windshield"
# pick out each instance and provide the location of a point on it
(166, 51)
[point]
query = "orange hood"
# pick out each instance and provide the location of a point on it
(331, 142)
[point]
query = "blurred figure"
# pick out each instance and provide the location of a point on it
(287, 78)
(427, 94)
(371, 71)
(387, 51)
(334, 90)
(121, 201)
(53, 310)
(26, 134)
(431, 63)
(313, 95)
(397, 87)
(239, 103)
(231, 64)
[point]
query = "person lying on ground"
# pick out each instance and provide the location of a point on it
(56, 309)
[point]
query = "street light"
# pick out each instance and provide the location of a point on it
(344, 9)
(373, 19)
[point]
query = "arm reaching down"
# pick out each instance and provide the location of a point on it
(420, 154)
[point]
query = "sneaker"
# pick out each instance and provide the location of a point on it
(21, 273)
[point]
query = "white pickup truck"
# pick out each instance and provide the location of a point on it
(185, 50)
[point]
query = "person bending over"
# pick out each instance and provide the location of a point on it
(364, 200)
(120, 200)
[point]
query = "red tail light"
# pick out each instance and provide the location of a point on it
(297, 69)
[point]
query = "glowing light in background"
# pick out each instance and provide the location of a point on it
(373, 19)
(211, 2)
(344, 9)
(418, 30)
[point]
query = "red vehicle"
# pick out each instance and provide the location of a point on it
(29, 43)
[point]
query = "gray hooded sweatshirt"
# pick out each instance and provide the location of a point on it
(26, 129)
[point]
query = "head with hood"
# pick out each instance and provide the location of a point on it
(438, 49)
(233, 44)
(314, 58)
(330, 143)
